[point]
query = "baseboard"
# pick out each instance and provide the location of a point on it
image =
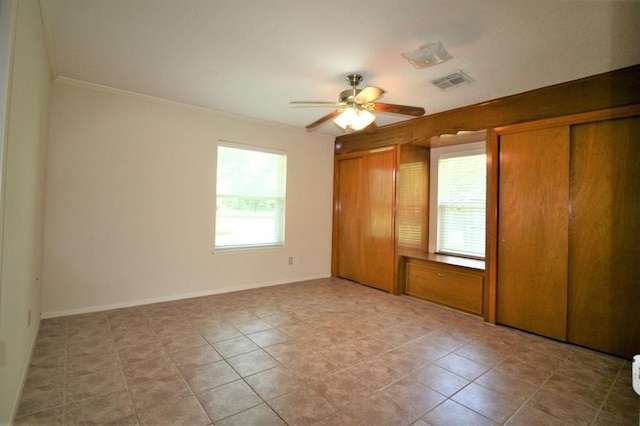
(25, 372)
(99, 308)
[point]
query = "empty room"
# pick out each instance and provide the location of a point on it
(296, 212)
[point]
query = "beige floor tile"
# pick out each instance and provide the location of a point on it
(41, 398)
(268, 338)
(148, 369)
(235, 346)
(563, 408)
(229, 399)
(210, 376)
(180, 411)
(275, 382)
(341, 389)
(94, 384)
(623, 406)
(461, 366)
(252, 362)
(253, 326)
(508, 385)
(326, 352)
(195, 357)
(379, 410)
(92, 363)
(451, 413)
(112, 408)
(261, 415)
(304, 407)
(157, 392)
(440, 380)
(491, 404)
(53, 417)
(528, 416)
(413, 396)
(534, 374)
(311, 367)
(584, 392)
(219, 332)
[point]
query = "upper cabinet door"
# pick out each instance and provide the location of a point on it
(604, 255)
(533, 222)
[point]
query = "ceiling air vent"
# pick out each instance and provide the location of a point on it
(452, 81)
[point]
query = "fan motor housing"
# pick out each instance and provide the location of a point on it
(346, 94)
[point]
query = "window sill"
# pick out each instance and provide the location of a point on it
(456, 261)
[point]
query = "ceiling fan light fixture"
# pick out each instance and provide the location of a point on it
(427, 55)
(352, 119)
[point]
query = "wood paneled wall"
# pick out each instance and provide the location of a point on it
(612, 89)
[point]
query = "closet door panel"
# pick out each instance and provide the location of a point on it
(533, 231)
(604, 279)
(377, 227)
(349, 241)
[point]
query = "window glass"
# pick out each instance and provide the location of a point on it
(250, 197)
(457, 200)
(462, 204)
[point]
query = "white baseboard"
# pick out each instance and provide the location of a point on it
(99, 308)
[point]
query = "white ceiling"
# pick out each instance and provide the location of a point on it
(252, 57)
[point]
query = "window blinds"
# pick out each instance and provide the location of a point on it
(461, 204)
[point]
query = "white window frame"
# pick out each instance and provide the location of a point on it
(281, 202)
(473, 148)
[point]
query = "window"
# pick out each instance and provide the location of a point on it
(250, 197)
(459, 194)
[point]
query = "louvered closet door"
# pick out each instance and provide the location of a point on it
(604, 276)
(533, 231)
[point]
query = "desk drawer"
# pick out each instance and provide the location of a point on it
(456, 289)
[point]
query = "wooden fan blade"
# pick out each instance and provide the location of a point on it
(369, 94)
(317, 123)
(399, 109)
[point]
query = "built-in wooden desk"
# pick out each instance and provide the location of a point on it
(447, 280)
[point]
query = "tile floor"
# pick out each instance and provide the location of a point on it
(322, 352)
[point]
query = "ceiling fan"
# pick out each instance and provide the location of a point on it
(354, 106)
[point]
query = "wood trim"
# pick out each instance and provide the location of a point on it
(491, 250)
(336, 212)
(364, 153)
(395, 287)
(581, 118)
(612, 89)
(493, 150)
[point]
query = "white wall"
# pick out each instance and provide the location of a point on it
(28, 84)
(131, 200)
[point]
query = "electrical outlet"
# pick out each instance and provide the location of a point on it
(290, 260)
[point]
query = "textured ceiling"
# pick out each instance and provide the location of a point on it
(253, 57)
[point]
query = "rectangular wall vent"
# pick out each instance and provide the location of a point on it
(452, 81)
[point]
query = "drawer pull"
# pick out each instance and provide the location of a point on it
(441, 274)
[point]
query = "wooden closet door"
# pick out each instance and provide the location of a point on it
(604, 276)
(533, 231)
(377, 226)
(349, 220)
